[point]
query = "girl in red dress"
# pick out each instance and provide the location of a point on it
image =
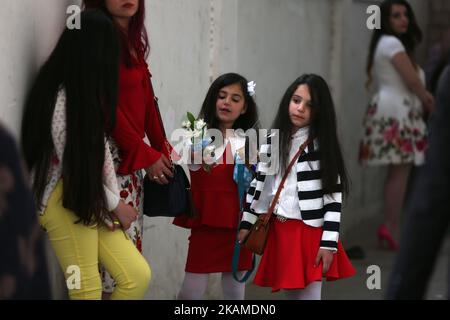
(136, 115)
(303, 241)
(228, 105)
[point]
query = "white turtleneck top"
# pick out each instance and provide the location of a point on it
(288, 203)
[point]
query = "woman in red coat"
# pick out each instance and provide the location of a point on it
(136, 116)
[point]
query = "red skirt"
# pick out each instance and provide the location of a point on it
(288, 259)
(211, 251)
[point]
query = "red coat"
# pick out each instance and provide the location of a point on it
(136, 116)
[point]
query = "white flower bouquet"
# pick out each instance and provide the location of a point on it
(197, 138)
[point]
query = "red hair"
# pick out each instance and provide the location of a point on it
(136, 39)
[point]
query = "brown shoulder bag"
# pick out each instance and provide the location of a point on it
(257, 237)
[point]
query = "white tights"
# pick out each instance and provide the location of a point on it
(194, 286)
(311, 292)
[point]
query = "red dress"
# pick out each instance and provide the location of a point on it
(214, 232)
(289, 257)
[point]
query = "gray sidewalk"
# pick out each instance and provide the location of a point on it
(355, 288)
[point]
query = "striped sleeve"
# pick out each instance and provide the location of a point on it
(332, 204)
(249, 216)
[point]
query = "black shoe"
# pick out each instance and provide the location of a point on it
(355, 253)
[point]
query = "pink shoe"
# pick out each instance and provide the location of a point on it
(385, 236)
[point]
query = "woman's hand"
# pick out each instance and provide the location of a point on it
(124, 214)
(242, 235)
(160, 170)
(8, 286)
(428, 102)
(6, 186)
(327, 258)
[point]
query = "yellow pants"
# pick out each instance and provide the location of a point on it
(80, 248)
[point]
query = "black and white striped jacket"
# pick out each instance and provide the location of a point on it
(317, 208)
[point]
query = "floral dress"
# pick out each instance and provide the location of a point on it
(131, 192)
(394, 129)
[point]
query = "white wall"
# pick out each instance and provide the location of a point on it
(195, 41)
(29, 30)
(351, 102)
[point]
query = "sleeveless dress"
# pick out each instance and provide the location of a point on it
(214, 231)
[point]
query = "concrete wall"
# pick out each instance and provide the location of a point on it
(261, 39)
(348, 83)
(29, 30)
(271, 42)
(193, 41)
(440, 11)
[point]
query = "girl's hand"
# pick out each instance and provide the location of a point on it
(126, 215)
(112, 223)
(160, 170)
(327, 258)
(242, 235)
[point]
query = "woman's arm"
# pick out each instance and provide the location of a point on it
(405, 68)
(124, 213)
(59, 125)
(135, 153)
(110, 180)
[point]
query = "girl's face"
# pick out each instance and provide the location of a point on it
(230, 105)
(122, 9)
(300, 107)
(399, 20)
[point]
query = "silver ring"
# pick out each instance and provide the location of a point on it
(162, 176)
(155, 178)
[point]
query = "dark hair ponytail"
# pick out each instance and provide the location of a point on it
(84, 64)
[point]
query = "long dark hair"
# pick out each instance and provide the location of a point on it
(322, 127)
(410, 39)
(85, 64)
(208, 112)
(136, 39)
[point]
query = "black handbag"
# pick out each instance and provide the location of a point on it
(169, 200)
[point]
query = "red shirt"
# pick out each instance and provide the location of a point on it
(137, 116)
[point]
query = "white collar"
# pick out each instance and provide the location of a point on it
(301, 134)
(236, 143)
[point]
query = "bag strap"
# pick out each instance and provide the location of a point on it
(161, 125)
(237, 244)
(157, 108)
(235, 263)
(280, 187)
